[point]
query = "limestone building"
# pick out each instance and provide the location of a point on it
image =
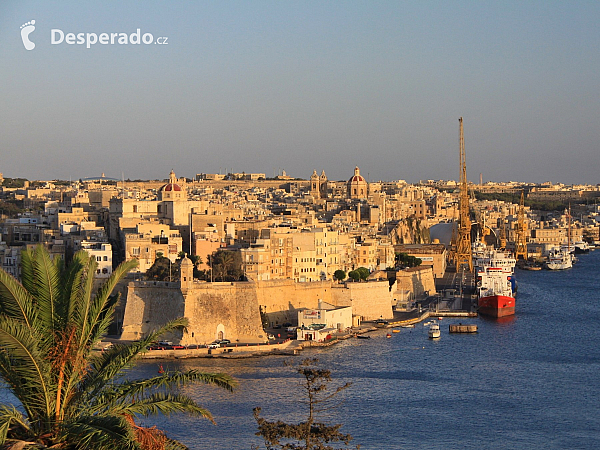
(318, 185)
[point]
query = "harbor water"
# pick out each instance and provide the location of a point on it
(528, 381)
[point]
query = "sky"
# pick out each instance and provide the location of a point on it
(265, 86)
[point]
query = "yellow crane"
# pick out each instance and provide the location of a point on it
(521, 241)
(464, 253)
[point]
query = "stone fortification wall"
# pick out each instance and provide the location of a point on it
(371, 300)
(281, 299)
(417, 280)
(222, 311)
(150, 305)
(232, 310)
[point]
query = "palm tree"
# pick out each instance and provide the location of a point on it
(71, 396)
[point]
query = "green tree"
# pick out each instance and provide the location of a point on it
(339, 275)
(354, 274)
(226, 265)
(70, 396)
(363, 272)
(310, 434)
(163, 270)
(406, 260)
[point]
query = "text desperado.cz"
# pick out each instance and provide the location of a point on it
(58, 37)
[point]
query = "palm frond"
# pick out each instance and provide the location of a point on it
(163, 403)
(99, 303)
(27, 271)
(134, 390)
(81, 308)
(112, 362)
(71, 278)
(177, 379)
(32, 368)
(49, 324)
(172, 444)
(17, 302)
(100, 433)
(46, 281)
(10, 417)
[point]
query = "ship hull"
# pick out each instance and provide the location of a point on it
(497, 305)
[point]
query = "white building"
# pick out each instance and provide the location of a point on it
(318, 324)
(102, 251)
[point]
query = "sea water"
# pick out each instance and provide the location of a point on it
(529, 381)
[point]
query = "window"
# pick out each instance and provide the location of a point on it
(135, 251)
(98, 258)
(105, 258)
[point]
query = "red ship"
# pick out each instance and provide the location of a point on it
(497, 305)
(496, 285)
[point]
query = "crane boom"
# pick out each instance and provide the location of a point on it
(464, 254)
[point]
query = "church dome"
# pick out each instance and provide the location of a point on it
(357, 177)
(357, 186)
(172, 191)
(171, 186)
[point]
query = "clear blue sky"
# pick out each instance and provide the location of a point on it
(257, 86)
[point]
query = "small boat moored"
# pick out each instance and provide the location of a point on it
(434, 330)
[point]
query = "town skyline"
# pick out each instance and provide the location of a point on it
(282, 174)
(304, 86)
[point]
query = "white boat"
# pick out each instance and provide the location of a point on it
(434, 330)
(495, 261)
(559, 260)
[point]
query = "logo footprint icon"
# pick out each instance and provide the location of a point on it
(26, 30)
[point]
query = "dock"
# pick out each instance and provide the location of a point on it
(460, 328)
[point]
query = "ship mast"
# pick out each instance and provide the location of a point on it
(569, 230)
(521, 243)
(464, 254)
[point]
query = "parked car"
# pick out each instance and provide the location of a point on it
(270, 336)
(224, 341)
(214, 345)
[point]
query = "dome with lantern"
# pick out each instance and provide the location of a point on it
(172, 190)
(358, 187)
